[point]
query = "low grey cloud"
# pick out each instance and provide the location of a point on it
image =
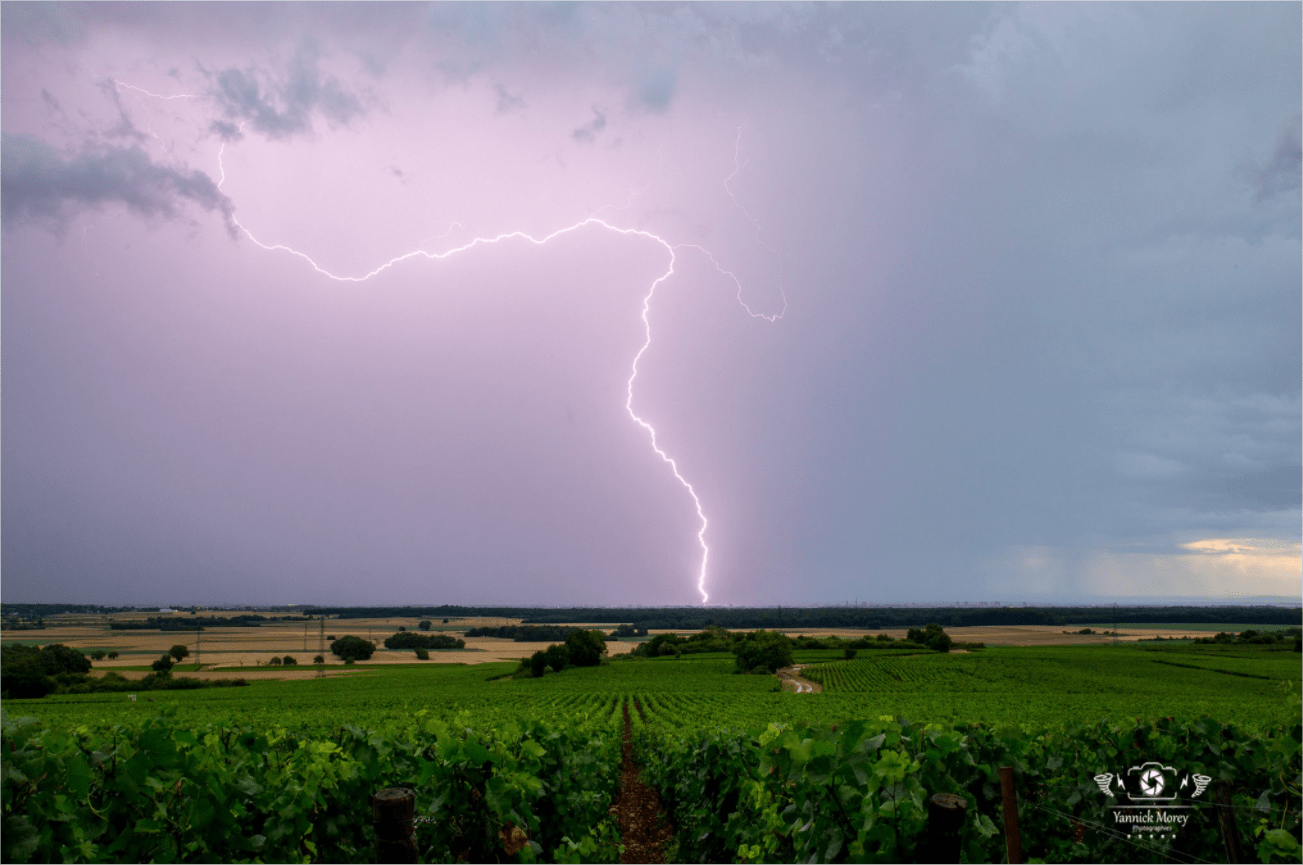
(589, 131)
(654, 88)
(41, 22)
(280, 109)
(1284, 171)
(39, 184)
(507, 102)
(646, 46)
(125, 127)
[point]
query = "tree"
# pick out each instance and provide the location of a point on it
(290, 661)
(538, 664)
(763, 650)
(932, 636)
(413, 640)
(57, 658)
(275, 661)
(424, 624)
(113, 654)
(163, 666)
(25, 680)
(661, 644)
(178, 651)
(422, 655)
(97, 655)
(557, 657)
(22, 675)
(849, 653)
(445, 621)
(318, 659)
(352, 648)
(585, 648)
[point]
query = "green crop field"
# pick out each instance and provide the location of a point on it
(1001, 685)
(282, 770)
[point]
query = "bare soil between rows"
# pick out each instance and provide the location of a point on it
(644, 828)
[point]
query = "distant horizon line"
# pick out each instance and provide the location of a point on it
(1255, 601)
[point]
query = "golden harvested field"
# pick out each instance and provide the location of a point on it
(1021, 635)
(236, 652)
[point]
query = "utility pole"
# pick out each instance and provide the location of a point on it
(199, 642)
(321, 649)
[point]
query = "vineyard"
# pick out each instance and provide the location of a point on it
(528, 769)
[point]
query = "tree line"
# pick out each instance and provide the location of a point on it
(28, 672)
(763, 652)
(867, 618)
(198, 623)
(884, 618)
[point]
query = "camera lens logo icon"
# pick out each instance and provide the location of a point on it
(1152, 782)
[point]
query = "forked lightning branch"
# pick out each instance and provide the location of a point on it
(671, 250)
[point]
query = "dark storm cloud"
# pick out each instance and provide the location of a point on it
(39, 184)
(282, 106)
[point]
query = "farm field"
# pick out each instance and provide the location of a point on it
(730, 755)
(1031, 685)
(244, 652)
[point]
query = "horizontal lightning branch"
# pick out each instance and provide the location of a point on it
(670, 249)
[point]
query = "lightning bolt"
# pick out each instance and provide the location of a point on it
(140, 93)
(738, 165)
(122, 87)
(670, 249)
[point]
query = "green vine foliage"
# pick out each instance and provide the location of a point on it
(858, 791)
(157, 793)
(154, 790)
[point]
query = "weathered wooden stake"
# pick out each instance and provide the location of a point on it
(1009, 804)
(945, 819)
(394, 812)
(1226, 821)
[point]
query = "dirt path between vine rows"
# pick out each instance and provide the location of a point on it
(792, 681)
(644, 828)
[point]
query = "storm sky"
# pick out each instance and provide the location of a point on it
(943, 302)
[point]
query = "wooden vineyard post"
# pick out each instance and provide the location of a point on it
(1226, 821)
(945, 819)
(1009, 804)
(393, 810)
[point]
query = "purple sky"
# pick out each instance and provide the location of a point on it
(969, 302)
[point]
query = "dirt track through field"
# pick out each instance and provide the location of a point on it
(792, 681)
(644, 828)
